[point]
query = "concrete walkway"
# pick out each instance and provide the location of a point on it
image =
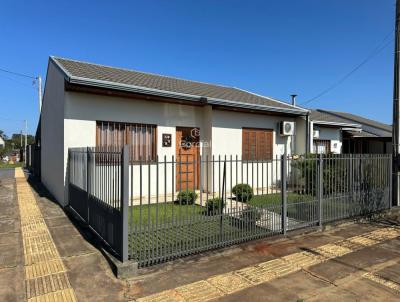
(45, 273)
(11, 251)
(219, 286)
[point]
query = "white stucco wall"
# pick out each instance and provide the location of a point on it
(332, 134)
(69, 120)
(222, 130)
(301, 140)
(82, 110)
(52, 134)
(227, 131)
(227, 140)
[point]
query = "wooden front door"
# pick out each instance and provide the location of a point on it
(187, 158)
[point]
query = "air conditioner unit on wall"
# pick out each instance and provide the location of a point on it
(316, 133)
(286, 128)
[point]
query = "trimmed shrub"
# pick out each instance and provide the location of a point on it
(186, 197)
(243, 192)
(215, 206)
(248, 217)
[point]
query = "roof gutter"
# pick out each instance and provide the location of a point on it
(337, 124)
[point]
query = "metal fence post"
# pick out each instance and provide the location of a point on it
(124, 181)
(87, 183)
(390, 181)
(284, 192)
(320, 188)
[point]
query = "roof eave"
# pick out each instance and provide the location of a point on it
(195, 98)
(337, 124)
(257, 107)
(189, 97)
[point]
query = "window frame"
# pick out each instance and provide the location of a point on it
(246, 154)
(322, 142)
(127, 140)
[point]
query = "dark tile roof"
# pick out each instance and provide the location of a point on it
(120, 76)
(369, 127)
(322, 116)
(362, 120)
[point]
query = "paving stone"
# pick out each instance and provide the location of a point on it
(10, 255)
(93, 280)
(12, 284)
(367, 257)
(368, 290)
(9, 225)
(334, 295)
(391, 273)
(46, 284)
(57, 221)
(40, 253)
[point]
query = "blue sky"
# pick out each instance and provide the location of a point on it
(274, 48)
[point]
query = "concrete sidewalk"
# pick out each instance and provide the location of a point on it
(366, 269)
(11, 251)
(88, 271)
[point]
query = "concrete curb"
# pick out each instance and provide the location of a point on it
(122, 270)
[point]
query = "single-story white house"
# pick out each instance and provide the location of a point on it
(341, 132)
(2, 142)
(88, 105)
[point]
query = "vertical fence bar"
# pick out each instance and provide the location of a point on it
(284, 192)
(389, 163)
(87, 184)
(320, 188)
(124, 181)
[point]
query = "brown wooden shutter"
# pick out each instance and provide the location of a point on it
(141, 137)
(257, 144)
(245, 144)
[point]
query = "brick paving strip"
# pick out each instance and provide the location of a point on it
(225, 284)
(45, 274)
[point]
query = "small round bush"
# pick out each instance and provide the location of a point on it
(215, 206)
(243, 192)
(186, 197)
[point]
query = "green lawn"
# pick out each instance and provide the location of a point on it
(166, 213)
(10, 166)
(275, 199)
(181, 229)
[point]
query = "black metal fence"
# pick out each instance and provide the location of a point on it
(96, 192)
(154, 211)
(33, 159)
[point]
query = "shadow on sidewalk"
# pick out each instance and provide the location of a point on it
(80, 225)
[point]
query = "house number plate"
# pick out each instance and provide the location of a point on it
(166, 140)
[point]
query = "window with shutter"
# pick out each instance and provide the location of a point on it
(141, 137)
(322, 146)
(257, 144)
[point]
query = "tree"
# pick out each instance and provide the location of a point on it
(16, 139)
(14, 143)
(3, 135)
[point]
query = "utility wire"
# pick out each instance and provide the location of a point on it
(16, 81)
(374, 53)
(18, 74)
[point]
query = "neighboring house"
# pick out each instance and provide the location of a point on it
(88, 105)
(327, 130)
(340, 132)
(2, 142)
